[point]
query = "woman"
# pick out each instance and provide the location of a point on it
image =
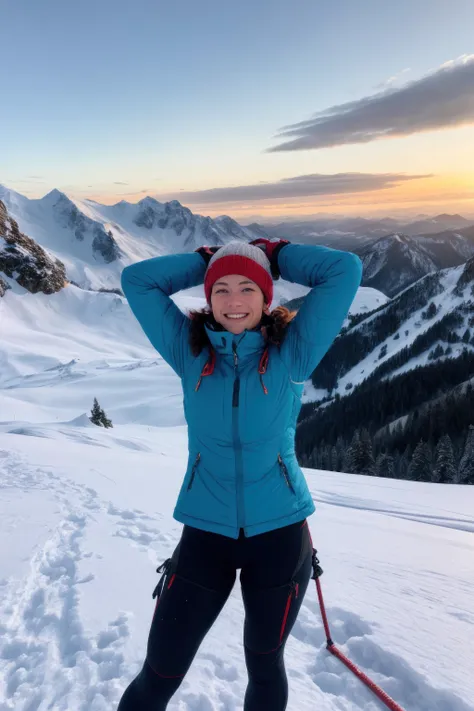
(244, 500)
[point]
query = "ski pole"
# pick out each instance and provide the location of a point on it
(380, 693)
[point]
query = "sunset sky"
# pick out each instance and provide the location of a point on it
(256, 108)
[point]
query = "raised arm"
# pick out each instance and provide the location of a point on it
(334, 277)
(148, 286)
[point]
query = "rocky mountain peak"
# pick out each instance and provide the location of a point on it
(22, 259)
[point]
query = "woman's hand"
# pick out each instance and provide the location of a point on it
(206, 252)
(271, 247)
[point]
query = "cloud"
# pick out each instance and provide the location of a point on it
(29, 179)
(300, 186)
(137, 192)
(442, 99)
(117, 182)
(392, 80)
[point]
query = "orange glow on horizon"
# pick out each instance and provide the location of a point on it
(443, 192)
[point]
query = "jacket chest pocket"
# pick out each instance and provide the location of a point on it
(193, 471)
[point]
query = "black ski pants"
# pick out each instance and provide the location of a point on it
(196, 582)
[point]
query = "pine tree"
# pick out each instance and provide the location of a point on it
(445, 467)
(341, 448)
(335, 460)
(326, 457)
(420, 465)
(314, 459)
(348, 461)
(363, 457)
(105, 420)
(465, 474)
(98, 416)
(384, 466)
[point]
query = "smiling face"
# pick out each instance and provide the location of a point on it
(237, 303)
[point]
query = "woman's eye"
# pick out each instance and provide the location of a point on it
(222, 291)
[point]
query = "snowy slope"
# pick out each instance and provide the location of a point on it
(85, 518)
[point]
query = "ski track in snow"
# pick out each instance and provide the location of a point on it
(345, 501)
(47, 661)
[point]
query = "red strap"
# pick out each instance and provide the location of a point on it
(209, 367)
(262, 366)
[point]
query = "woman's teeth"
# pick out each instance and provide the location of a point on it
(236, 316)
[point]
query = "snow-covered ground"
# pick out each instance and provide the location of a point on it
(85, 519)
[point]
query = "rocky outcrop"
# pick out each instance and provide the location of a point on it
(3, 287)
(105, 245)
(22, 259)
(466, 278)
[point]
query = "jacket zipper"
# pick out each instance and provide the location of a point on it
(236, 438)
(284, 471)
(193, 472)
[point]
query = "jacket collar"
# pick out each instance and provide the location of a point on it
(246, 343)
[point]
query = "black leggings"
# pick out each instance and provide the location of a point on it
(196, 582)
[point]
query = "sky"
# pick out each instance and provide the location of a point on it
(271, 109)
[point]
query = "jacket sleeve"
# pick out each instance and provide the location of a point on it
(148, 286)
(334, 277)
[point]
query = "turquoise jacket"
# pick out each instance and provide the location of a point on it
(242, 470)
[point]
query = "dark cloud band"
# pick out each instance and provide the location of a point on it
(442, 99)
(299, 186)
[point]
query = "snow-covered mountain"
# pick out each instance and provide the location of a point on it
(395, 261)
(96, 241)
(443, 297)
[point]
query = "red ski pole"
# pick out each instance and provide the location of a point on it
(380, 693)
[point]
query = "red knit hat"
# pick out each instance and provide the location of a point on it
(240, 258)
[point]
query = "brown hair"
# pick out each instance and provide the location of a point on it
(273, 326)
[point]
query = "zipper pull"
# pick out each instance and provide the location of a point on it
(236, 358)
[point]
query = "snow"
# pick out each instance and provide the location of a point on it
(86, 517)
(367, 299)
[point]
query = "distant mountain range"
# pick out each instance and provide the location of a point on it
(352, 233)
(395, 254)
